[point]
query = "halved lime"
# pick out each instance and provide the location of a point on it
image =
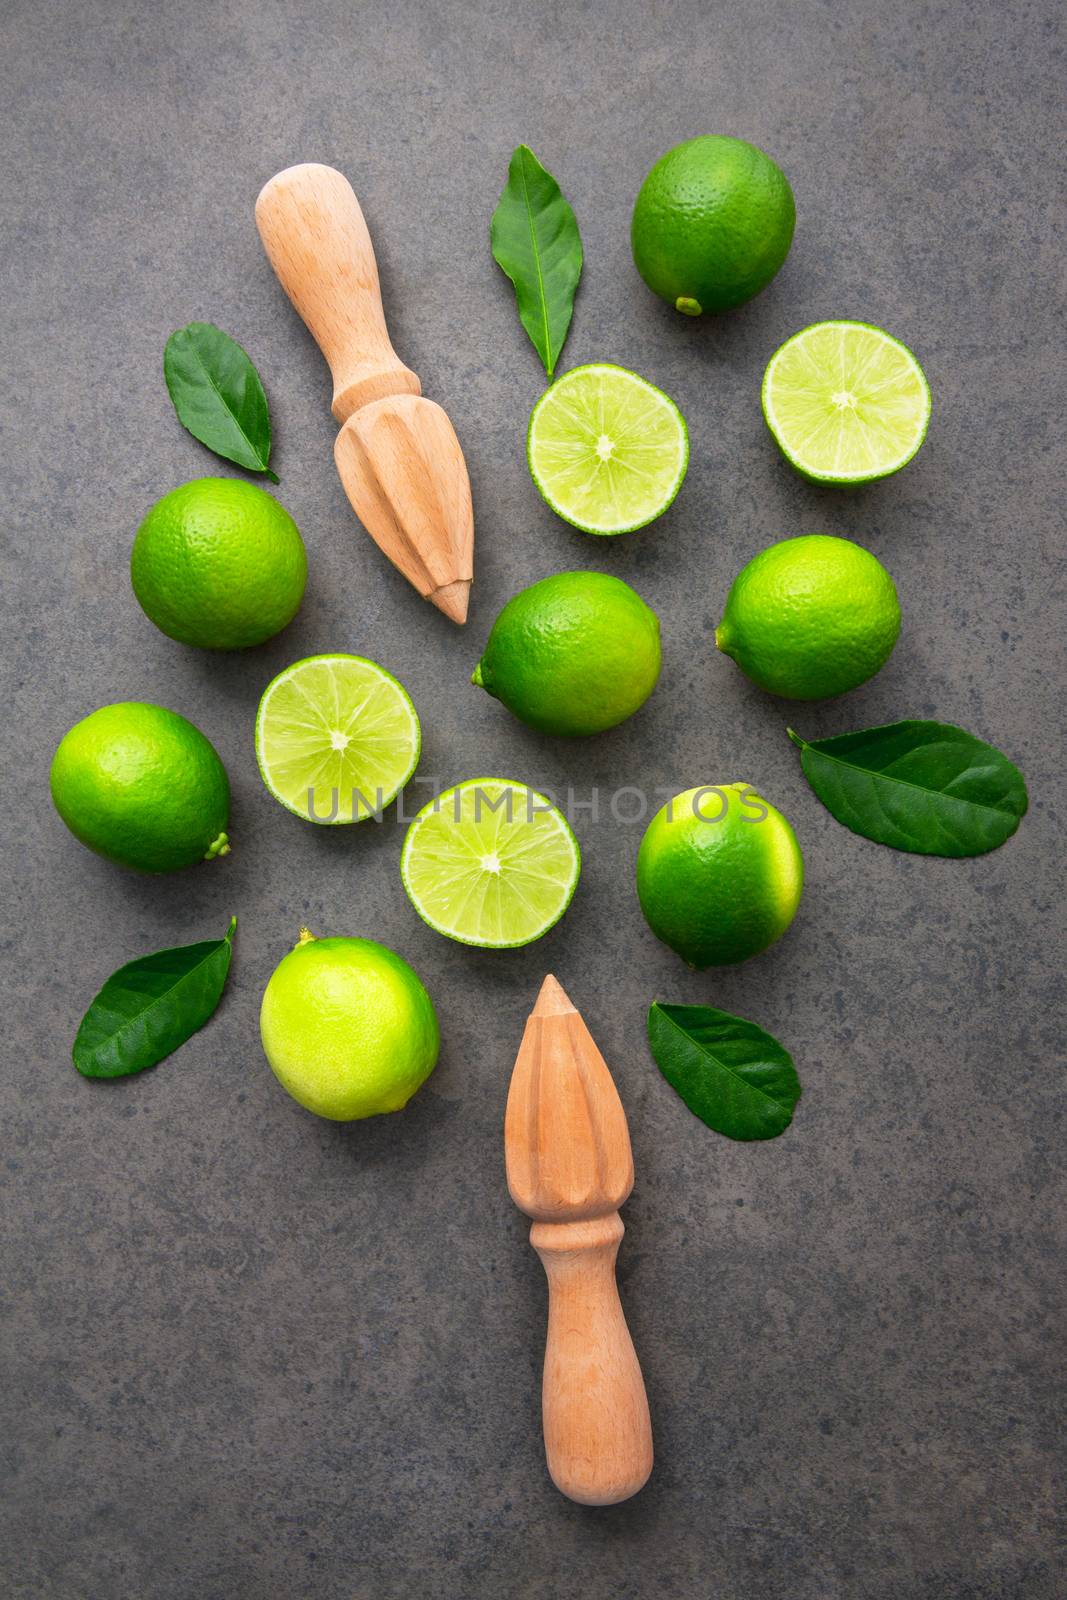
(845, 402)
(490, 862)
(337, 738)
(607, 450)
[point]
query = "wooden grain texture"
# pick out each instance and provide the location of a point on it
(397, 453)
(404, 474)
(569, 1167)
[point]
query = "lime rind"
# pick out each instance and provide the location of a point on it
(874, 434)
(633, 484)
(304, 715)
(471, 882)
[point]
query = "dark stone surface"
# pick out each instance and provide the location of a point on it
(248, 1354)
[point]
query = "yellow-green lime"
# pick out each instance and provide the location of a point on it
(576, 653)
(810, 617)
(219, 563)
(719, 874)
(348, 1027)
(140, 785)
(712, 224)
(337, 738)
(607, 450)
(845, 402)
(490, 862)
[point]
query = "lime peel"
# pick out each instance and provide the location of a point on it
(810, 617)
(574, 654)
(348, 1027)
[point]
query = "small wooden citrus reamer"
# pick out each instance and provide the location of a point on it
(397, 453)
(569, 1167)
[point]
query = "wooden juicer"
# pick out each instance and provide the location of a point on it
(569, 1167)
(397, 453)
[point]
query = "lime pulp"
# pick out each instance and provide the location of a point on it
(337, 738)
(607, 450)
(490, 863)
(845, 402)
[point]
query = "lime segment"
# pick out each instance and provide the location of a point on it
(845, 402)
(490, 863)
(337, 738)
(607, 450)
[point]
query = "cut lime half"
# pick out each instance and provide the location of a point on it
(607, 450)
(337, 738)
(491, 863)
(845, 402)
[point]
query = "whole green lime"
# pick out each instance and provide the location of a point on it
(574, 654)
(142, 786)
(348, 1028)
(719, 874)
(810, 617)
(712, 224)
(219, 563)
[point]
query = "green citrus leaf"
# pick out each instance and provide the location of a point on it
(535, 241)
(730, 1074)
(218, 395)
(149, 1007)
(926, 787)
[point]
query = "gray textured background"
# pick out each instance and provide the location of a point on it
(251, 1355)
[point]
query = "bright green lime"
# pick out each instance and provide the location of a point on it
(348, 1028)
(143, 787)
(573, 654)
(607, 450)
(337, 738)
(810, 617)
(719, 874)
(845, 402)
(219, 563)
(712, 224)
(490, 863)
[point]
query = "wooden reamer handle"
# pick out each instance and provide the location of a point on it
(598, 1436)
(315, 237)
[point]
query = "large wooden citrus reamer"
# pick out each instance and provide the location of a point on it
(569, 1167)
(397, 453)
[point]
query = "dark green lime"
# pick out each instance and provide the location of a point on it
(712, 224)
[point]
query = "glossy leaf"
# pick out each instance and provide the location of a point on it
(149, 1007)
(218, 395)
(535, 240)
(926, 787)
(732, 1075)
